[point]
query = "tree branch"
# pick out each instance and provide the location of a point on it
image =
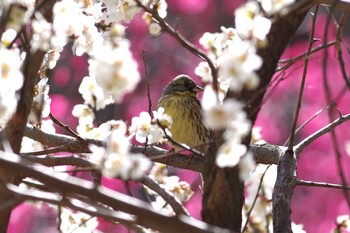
(307, 141)
(144, 215)
(321, 184)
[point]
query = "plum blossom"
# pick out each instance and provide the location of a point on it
(120, 10)
(114, 69)
(250, 24)
(73, 221)
(274, 6)
(42, 33)
(238, 66)
(145, 129)
(93, 94)
(115, 160)
(229, 154)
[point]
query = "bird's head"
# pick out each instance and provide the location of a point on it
(182, 84)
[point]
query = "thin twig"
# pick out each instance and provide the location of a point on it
(66, 128)
(302, 85)
(320, 184)
(293, 60)
(328, 128)
(308, 121)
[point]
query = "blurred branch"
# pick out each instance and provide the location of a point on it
(51, 161)
(142, 211)
(56, 199)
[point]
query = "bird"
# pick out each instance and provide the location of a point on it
(180, 102)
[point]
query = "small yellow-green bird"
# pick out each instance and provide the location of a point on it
(179, 100)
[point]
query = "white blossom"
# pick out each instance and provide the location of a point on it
(84, 114)
(143, 128)
(115, 69)
(274, 6)
(11, 77)
(204, 72)
(343, 222)
(72, 221)
(238, 66)
(154, 28)
(250, 24)
(51, 57)
(246, 165)
(120, 10)
(8, 36)
(93, 94)
(42, 33)
(67, 22)
(229, 154)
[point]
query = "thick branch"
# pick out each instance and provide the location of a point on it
(263, 153)
(144, 215)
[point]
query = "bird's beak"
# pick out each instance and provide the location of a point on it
(198, 89)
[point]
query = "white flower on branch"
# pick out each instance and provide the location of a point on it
(11, 77)
(8, 36)
(84, 114)
(144, 128)
(116, 160)
(67, 22)
(42, 33)
(73, 221)
(115, 69)
(120, 10)
(227, 115)
(250, 24)
(238, 66)
(274, 6)
(229, 154)
(93, 94)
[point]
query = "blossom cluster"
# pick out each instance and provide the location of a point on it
(115, 159)
(234, 52)
(146, 129)
(11, 80)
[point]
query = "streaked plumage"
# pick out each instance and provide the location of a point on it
(179, 100)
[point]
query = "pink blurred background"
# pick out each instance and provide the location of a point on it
(315, 208)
